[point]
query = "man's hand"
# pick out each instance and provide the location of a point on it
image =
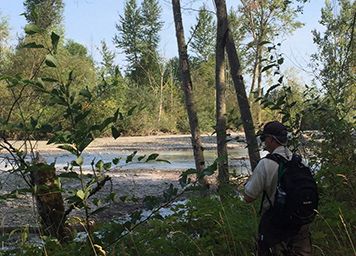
(248, 199)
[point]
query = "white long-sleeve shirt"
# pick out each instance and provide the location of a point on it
(265, 178)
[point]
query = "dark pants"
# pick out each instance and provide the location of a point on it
(273, 241)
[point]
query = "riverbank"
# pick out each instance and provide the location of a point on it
(156, 142)
(136, 183)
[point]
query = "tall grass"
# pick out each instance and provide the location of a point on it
(209, 226)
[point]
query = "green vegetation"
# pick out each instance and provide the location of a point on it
(52, 89)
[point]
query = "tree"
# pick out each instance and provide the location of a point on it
(334, 63)
(151, 12)
(334, 66)
(264, 21)
(4, 34)
(108, 58)
(187, 88)
(139, 37)
(129, 34)
(76, 49)
(203, 35)
(236, 74)
(44, 13)
(220, 97)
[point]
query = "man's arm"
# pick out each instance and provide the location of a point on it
(255, 184)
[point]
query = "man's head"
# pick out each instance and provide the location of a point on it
(274, 134)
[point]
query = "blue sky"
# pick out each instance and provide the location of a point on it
(90, 21)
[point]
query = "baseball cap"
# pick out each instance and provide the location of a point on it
(277, 130)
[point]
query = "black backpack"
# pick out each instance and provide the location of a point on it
(296, 198)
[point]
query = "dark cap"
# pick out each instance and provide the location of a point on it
(277, 130)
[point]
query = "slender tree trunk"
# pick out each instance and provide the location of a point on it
(240, 89)
(188, 89)
(254, 75)
(161, 82)
(259, 85)
(220, 85)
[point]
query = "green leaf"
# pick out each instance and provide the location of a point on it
(80, 193)
(33, 45)
(183, 178)
(31, 29)
(70, 76)
(141, 157)
(163, 160)
(70, 175)
(272, 88)
(131, 110)
(280, 61)
(82, 116)
(86, 93)
(46, 128)
(96, 201)
(51, 61)
(40, 83)
(208, 171)
(55, 40)
(116, 160)
(79, 160)
(268, 67)
(270, 48)
(111, 197)
(117, 114)
(107, 166)
(49, 79)
(135, 216)
(123, 198)
(169, 193)
(264, 42)
(280, 80)
(34, 122)
(98, 210)
(100, 165)
(150, 202)
(68, 148)
(130, 157)
(115, 132)
(152, 157)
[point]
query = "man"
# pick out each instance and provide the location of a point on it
(273, 240)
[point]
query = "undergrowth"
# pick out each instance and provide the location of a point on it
(204, 226)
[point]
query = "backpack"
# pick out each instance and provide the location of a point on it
(296, 198)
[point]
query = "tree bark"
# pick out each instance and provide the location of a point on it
(242, 100)
(188, 89)
(220, 85)
(49, 200)
(259, 85)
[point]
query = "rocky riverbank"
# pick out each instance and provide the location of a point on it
(134, 183)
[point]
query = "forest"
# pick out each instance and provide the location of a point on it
(228, 76)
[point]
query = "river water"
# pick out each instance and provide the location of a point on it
(178, 160)
(175, 149)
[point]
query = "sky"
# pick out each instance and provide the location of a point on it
(90, 21)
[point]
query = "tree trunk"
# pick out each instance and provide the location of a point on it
(253, 82)
(49, 200)
(161, 82)
(259, 85)
(188, 89)
(220, 86)
(242, 100)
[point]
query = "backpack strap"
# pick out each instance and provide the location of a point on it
(280, 160)
(263, 199)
